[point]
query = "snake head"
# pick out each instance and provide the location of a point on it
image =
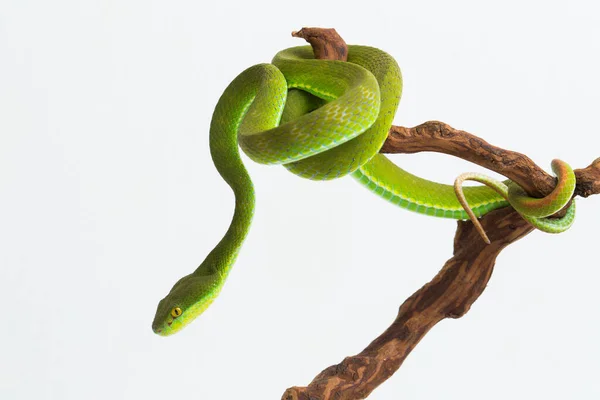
(188, 298)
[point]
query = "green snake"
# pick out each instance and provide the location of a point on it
(322, 120)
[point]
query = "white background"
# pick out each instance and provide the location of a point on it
(108, 195)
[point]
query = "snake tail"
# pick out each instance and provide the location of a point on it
(533, 210)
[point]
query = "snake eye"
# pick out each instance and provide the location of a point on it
(176, 312)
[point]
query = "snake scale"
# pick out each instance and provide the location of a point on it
(321, 120)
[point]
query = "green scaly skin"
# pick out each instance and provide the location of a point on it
(322, 120)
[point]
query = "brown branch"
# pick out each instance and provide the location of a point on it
(588, 179)
(326, 43)
(464, 277)
(441, 138)
(449, 295)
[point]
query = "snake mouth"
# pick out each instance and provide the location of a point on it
(157, 328)
(163, 330)
(160, 329)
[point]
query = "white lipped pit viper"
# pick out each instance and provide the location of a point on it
(325, 119)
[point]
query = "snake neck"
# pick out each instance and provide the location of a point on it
(226, 157)
(239, 112)
(223, 256)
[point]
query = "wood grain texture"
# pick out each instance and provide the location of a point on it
(464, 277)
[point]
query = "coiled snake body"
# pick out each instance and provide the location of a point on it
(322, 120)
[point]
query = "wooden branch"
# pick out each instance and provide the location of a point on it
(326, 43)
(588, 179)
(464, 277)
(449, 295)
(441, 138)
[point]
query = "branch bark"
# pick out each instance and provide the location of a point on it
(464, 277)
